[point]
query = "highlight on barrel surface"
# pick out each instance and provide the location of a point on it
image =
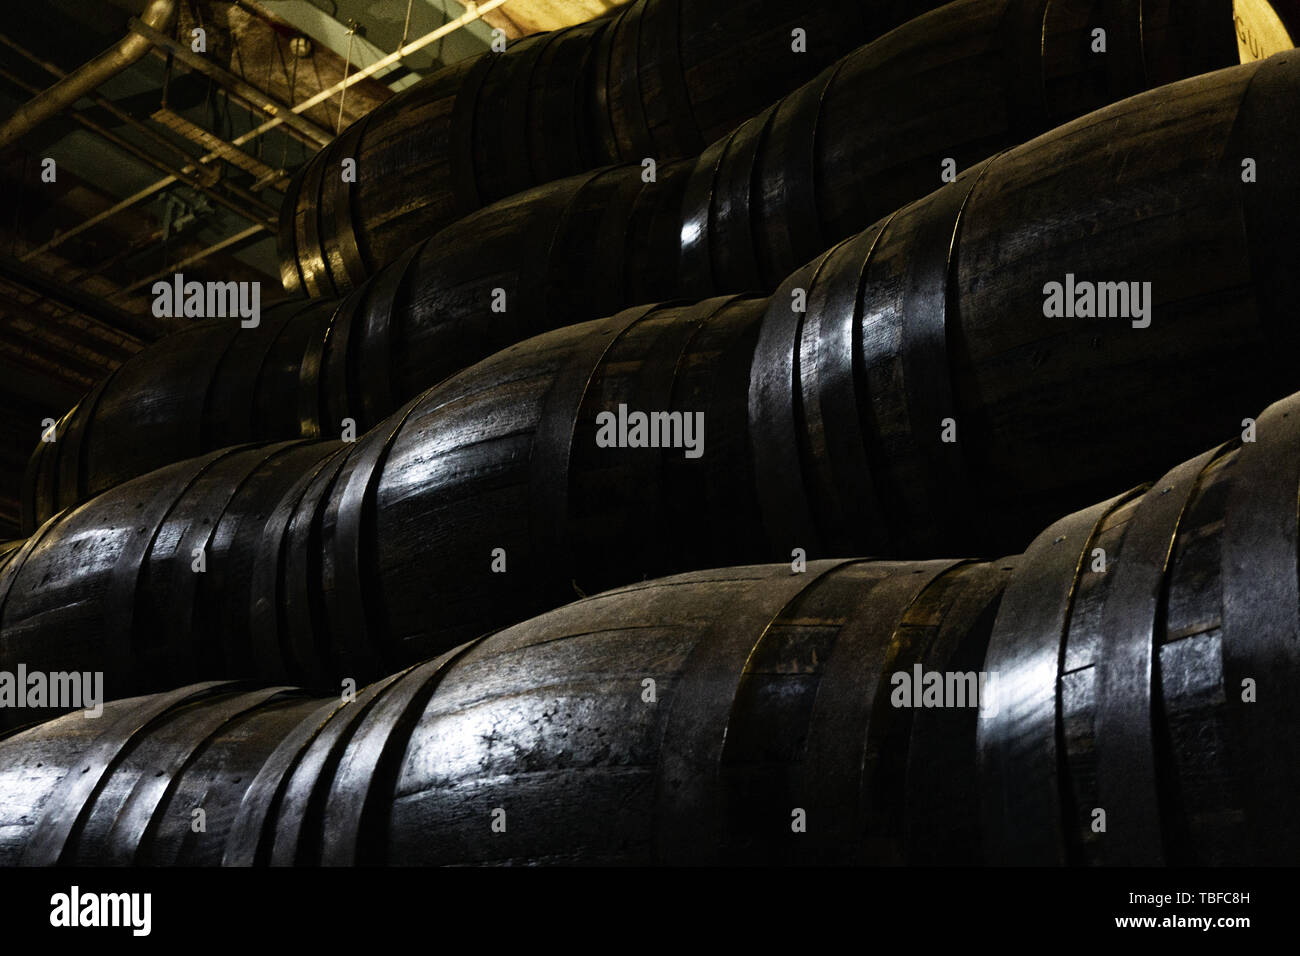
(1118, 694)
(555, 256)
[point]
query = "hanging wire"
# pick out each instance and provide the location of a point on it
(347, 65)
(406, 27)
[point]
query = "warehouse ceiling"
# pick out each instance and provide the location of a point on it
(106, 196)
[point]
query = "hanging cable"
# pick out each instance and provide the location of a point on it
(347, 65)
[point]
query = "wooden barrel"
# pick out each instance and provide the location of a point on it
(696, 719)
(211, 385)
(306, 588)
(865, 136)
(170, 575)
(900, 117)
(1133, 678)
(658, 79)
(822, 430)
(1149, 660)
(196, 748)
(591, 245)
(933, 385)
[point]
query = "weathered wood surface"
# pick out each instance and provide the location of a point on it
(752, 715)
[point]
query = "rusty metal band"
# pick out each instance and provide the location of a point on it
(688, 815)
(733, 255)
(924, 308)
(829, 381)
(1019, 760)
(696, 265)
(833, 779)
(131, 834)
(307, 229)
(71, 799)
(774, 421)
(1131, 629)
(377, 396)
(552, 448)
(791, 229)
(344, 259)
(356, 798)
(307, 781)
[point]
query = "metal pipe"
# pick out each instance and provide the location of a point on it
(88, 76)
(469, 16)
(319, 137)
(249, 209)
(143, 128)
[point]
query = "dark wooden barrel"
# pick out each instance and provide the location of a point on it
(1157, 684)
(209, 386)
(170, 575)
(658, 79)
(878, 129)
(862, 138)
(196, 748)
(935, 320)
(1139, 659)
(823, 430)
(689, 719)
(591, 245)
(307, 587)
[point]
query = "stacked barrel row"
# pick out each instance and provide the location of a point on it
(659, 79)
(905, 393)
(741, 217)
(1128, 699)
